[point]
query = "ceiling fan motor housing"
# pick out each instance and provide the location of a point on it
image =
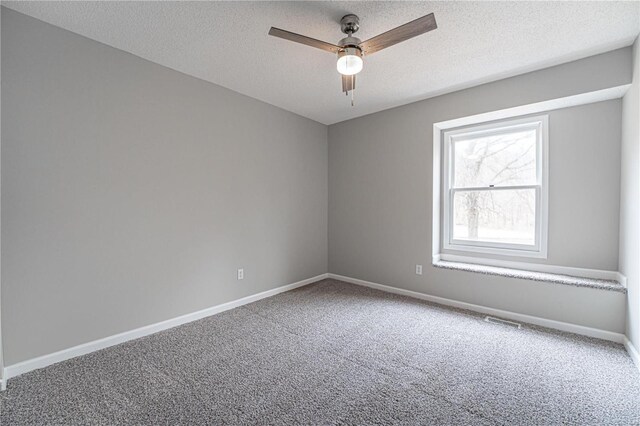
(349, 42)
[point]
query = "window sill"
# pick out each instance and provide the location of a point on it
(532, 275)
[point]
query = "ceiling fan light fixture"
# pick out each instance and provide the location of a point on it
(350, 61)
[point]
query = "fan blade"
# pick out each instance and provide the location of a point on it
(288, 35)
(348, 83)
(399, 34)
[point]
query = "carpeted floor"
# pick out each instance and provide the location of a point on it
(335, 353)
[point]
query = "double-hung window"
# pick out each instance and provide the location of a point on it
(496, 188)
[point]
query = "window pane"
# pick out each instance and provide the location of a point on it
(500, 160)
(502, 216)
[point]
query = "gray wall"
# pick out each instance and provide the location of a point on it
(131, 193)
(630, 200)
(1, 351)
(380, 191)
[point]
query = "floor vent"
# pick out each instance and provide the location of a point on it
(503, 322)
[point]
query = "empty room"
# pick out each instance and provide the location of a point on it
(319, 213)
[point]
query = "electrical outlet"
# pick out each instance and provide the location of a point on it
(241, 274)
(418, 269)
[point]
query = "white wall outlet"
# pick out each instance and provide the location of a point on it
(418, 269)
(241, 274)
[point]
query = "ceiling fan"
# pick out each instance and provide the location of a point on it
(350, 49)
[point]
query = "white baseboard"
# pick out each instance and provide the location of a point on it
(85, 348)
(543, 322)
(45, 360)
(633, 352)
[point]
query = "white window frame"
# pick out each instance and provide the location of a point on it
(539, 248)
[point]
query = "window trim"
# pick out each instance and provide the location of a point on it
(539, 249)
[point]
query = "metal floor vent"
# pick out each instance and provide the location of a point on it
(502, 321)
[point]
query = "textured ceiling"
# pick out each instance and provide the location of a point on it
(227, 43)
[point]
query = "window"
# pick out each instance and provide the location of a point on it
(495, 188)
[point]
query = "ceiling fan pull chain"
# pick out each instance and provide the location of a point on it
(353, 86)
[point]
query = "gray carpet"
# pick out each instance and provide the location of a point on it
(335, 353)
